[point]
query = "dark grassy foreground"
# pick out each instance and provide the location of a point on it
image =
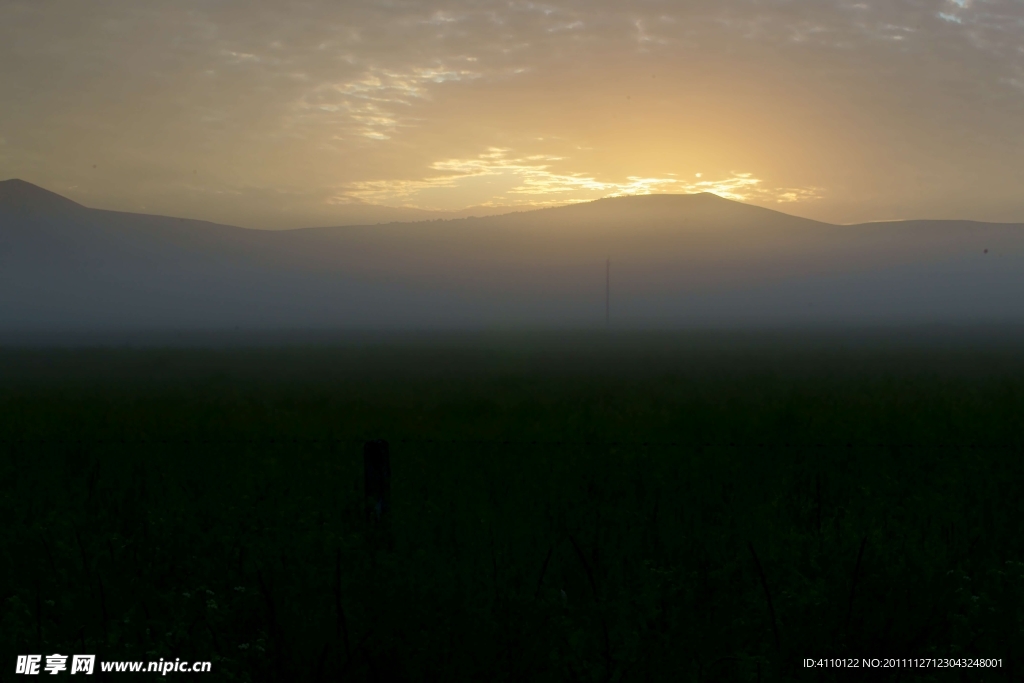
(694, 508)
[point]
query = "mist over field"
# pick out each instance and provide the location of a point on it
(677, 261)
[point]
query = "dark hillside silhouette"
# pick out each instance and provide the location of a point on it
(680, 260)
(17, 196)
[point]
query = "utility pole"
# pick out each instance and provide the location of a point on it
(607, 292)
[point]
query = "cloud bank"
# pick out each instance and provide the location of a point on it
(272, 115)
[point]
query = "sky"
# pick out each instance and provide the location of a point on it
(284, 115)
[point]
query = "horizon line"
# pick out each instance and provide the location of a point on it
(520, 208)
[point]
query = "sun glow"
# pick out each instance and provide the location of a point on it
(496, 177)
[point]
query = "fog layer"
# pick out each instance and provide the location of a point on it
(677, 261)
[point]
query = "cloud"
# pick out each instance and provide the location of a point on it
(368, 104)
(533, 183)
(820, 103)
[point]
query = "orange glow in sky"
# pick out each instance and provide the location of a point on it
(274, 115)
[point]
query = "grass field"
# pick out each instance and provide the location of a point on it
(673, 507)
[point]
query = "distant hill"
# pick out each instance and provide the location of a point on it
(677, 261)
(372, 214)
(19, 197)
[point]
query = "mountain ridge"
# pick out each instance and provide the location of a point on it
(696, 259)
(25, 197)
(20, 195)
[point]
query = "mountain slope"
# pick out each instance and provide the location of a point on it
(18, 196)
(677, 260)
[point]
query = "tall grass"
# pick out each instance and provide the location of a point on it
(685, 525)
